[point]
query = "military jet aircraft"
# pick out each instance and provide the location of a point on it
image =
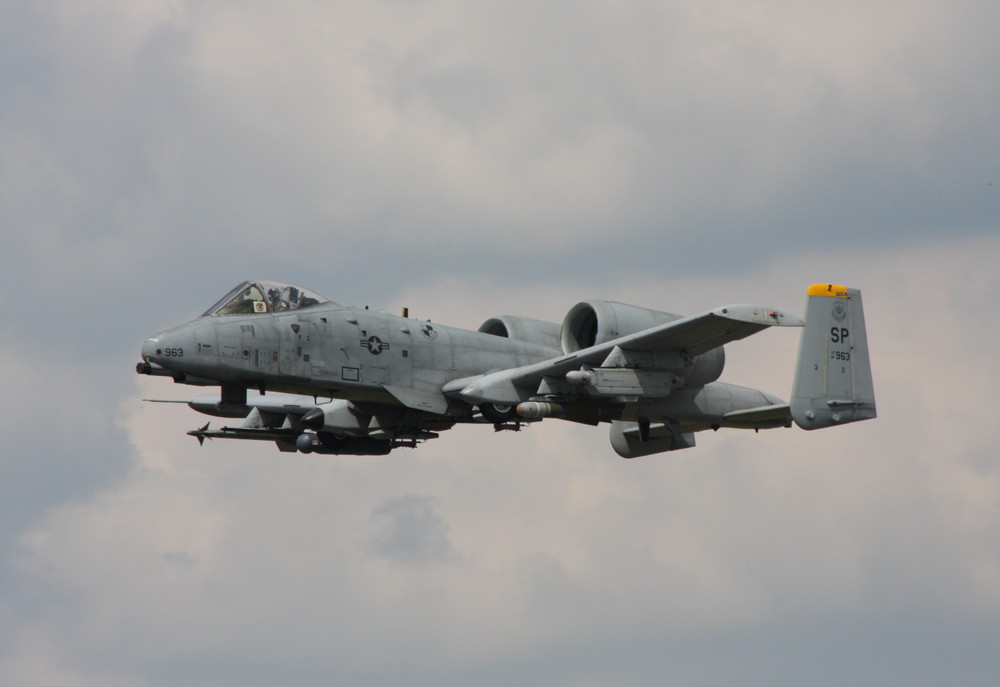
(346, 380)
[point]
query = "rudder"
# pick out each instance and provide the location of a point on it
(833, 376)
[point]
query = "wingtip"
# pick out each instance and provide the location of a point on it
(758, 314)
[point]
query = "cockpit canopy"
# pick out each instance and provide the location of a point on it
(258, 297)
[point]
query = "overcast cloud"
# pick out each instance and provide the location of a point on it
(468, 160)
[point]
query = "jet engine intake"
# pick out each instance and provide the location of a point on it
(595, 322)
(523, 329)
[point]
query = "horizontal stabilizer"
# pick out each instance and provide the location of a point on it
(778, 415)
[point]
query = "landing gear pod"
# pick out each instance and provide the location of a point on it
(634, 439)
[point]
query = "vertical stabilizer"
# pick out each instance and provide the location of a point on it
(833, 378)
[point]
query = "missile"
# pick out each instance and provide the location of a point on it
(535, 410)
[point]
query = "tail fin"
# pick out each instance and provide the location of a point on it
(833, 378)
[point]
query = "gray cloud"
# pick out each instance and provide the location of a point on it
(408, 530)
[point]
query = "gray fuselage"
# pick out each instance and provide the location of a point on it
(335, 351)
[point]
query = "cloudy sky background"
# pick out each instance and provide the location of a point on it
(468, 160)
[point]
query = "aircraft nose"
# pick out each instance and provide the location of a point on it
(149, 348)
(152, 357)
(168, 348)
(178, 351)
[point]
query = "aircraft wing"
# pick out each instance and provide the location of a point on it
(698, 334)
(688, 336)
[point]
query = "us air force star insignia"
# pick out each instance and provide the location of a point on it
(839, 311)
(374, 344)
(428, 331)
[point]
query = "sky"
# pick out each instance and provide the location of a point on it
(466, 160)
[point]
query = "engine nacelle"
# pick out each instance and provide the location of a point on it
(595, 322)
(523, 329)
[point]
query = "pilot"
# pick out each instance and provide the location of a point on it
(275, 299)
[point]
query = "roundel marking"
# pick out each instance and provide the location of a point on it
(374, 344)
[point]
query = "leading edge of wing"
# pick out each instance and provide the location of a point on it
(698, 334)
(689, 336)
